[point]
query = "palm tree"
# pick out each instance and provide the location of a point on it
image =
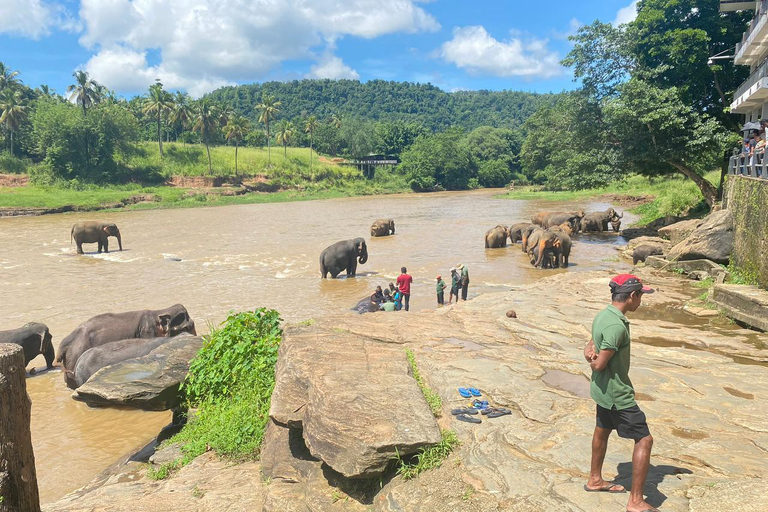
(309, 127)
(336, 120)
(12, 111)
(269, 110)
(285, 132)
(235, 130)
(159, 102)
(206, 122)
(8, 78)
(85, 92)
(182, 111)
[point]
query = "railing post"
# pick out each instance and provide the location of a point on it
(18, 478)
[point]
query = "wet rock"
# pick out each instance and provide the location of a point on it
(150, 382)
(679, 231)
(712, 240)
(355, 400)
(747, 304)
(96, 358)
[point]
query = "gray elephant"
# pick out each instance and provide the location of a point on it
(548, 260)
(90, 232)
(34, 338)
(558, 218)
(516, 231)
(616, 222)
(496, 237)
(96, 358)
(109, 327)
(542, 240)
(383, 227)
(598, 221)
(563, 249)
(641, 252)
(527, 232)
(343, 255)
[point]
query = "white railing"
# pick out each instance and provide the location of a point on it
(752, 24)
(760, 71)
(755, 166)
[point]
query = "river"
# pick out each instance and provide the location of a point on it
(216, 260)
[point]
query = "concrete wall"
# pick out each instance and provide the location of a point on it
(747, 198)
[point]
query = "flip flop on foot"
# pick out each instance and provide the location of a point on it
(475, 392)
(468, 419)
(608, 487)
(464, 392)
(463, 410)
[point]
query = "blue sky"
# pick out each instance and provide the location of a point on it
(198, 45)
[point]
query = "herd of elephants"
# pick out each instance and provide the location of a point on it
(113, 337)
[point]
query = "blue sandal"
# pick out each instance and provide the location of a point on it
(465, 393)
(475, 392)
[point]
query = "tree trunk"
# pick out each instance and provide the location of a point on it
(18, 478)
(11, 142)
(269, 149)
(159, 138)
(235, 159)
(719, 89)
(210, 171)
(707, 189)
(310, 153)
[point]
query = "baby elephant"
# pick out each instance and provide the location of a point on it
(641, 252)
(90, 232)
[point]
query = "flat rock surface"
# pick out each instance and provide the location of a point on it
(150, 382)
(353, 397)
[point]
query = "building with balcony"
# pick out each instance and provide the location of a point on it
(751, 98)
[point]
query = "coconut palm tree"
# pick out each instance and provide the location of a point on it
(269, 110)
(336, 120)
(12, 111)
(8, 78)
(206, 119)
(85, 92)
(235, 130)
(159, 102)
(309, 127)
(285, 132)
(182, 111)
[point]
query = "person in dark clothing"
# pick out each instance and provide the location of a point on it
(464, 280)
(455, 285)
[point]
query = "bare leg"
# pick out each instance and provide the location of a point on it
(599, 447)
(641, 459)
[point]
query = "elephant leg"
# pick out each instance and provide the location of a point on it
(80, 247)
(352, 268)
(106, 244)
(335, 273)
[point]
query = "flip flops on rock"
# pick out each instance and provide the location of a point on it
(495, 412)
(469, 392)
(464, 410)
(468, 419)
(481, 406)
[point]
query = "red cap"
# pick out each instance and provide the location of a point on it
(625, 283)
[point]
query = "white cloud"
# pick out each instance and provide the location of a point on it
(626, 14)
(474, 49)
(33, 18)
(232, 40)
(330, 66)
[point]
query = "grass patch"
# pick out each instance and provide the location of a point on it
(164, 471)
(428, 458)
(230, 382)
(739, 275)
(433, 399)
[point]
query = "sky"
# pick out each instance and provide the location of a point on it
(200, 45)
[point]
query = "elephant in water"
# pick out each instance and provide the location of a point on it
(496, 237)
(516, 231)
(34, 338)
(543, 240)
(343, 255)
(383, 227)
(90, 232)
(110, 327)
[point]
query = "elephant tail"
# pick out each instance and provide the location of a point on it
(71, 235)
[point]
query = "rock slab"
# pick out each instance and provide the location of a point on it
(679, 231)
(150, 382)
(355, 400)
(747, 304)
(712, 240)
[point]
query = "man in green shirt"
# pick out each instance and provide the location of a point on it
(441, 286)
(608, 355)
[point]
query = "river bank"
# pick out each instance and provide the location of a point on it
(698, 381)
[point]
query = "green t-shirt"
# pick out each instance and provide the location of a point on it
(441, 285)
(611, 387)
(388, 306)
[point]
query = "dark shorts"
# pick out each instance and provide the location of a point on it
(628, 423)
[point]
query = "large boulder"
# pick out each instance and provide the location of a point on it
(150, 382)
(712, 240)
(354, 398)
(679, 231)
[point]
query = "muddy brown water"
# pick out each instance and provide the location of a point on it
(215, 260)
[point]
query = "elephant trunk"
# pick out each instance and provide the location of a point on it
(119, 240)
(363, 255)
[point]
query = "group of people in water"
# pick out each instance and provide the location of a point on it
(397, 297)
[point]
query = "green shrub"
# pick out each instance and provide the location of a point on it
(428, 458)
(433, 399)
(12, 165)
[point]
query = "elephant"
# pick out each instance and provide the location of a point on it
(565, 227)
(95, 232)
(526, 233)
(543, 240)
(641, 252)
(616, 222)
(109, 327)
(496, 237)
(558, 218)
(343, 255)
(549, 260)
(96, 358)
(35, 339)
(383, 227)
(598, 221)
(563, 252)
(540, 218)
(516, 231)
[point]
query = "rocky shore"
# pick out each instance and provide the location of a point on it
(699, 380)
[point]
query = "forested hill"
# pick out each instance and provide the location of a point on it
(379, 100)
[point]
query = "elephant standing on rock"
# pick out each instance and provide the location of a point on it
(496, 237)
(641, 252)
(110, 327)
(343, 255)
(516, 231)
(34, 338)
(383, 227)
(90, 232)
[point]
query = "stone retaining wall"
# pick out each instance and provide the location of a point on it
(747, 198)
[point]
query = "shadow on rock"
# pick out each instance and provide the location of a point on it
(655, 476)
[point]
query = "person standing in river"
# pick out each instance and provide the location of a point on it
(464, 281)
(455, 285)
(404, 285)
(441, 286)
(608, 354)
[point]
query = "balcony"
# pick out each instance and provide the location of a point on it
(736, 5)
(753, 92)
(754, 42)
